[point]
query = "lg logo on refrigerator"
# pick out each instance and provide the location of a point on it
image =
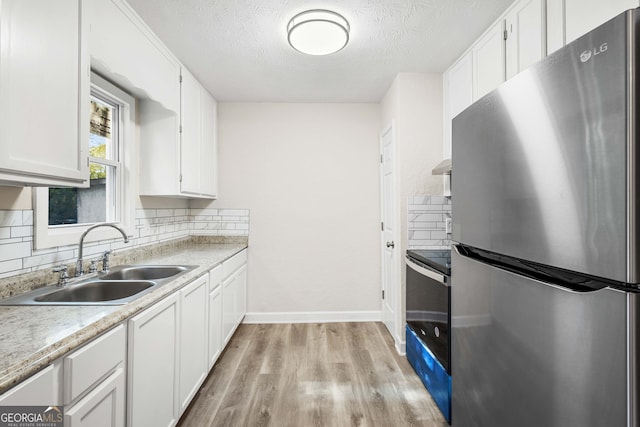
(588, 54)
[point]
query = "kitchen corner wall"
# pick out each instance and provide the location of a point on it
(413, 104)
(309, 175)
(152, 225)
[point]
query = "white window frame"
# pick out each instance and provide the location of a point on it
(49, 237)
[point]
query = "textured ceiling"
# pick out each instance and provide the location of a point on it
(238, 48)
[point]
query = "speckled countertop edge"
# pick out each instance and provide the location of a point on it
(32, 337)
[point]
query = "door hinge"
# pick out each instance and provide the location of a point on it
(506, 34)
(381, 159)
(383, 294)
(382, 226)
(180, 178)
(180, 131)
(180, 78)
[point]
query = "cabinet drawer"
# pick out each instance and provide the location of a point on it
(86, 367)
(233, 263)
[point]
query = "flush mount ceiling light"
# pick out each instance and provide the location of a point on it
(318, 32)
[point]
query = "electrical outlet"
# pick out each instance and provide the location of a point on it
(447, 224)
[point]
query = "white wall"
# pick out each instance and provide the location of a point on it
(414, 104)
(308, 173)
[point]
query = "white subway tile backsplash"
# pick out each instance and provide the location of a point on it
(10, 218)
(151, 226)
(426, 217)
(14, 250)
(21, 231)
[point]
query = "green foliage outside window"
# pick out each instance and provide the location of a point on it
(97, 171)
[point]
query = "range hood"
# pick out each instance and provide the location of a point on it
(442, 168)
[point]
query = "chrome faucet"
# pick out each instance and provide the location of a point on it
(79, 267)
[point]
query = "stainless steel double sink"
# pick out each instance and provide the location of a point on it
(120, 285)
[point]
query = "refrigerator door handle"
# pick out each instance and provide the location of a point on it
(527, 270)
(426, 272)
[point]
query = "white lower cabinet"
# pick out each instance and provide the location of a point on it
(215, 315)
(193, 339)
(233, 293)
(94, 382)
(102, 407)
(153, 365)
(42, 388)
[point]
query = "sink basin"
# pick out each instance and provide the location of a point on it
(144, 272)
(121, 285)
(97, 291)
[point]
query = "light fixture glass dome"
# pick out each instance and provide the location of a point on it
(318, 32)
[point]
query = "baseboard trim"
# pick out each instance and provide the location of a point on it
(314, 317)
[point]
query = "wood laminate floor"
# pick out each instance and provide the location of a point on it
(299, 375)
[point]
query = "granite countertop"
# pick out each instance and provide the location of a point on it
(32, 337)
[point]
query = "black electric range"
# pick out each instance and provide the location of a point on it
(428, 296)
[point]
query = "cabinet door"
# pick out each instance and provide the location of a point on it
(229, 299)
(582, 16)
(241, 295)
(458, 93)
(525, 42)
(555, 25)
(193, 339)
(103, 407)
(190, 137)
(209, 158)
(215, 314)
(153, 365)
(488, 61)
(44, 92)
(126, 49)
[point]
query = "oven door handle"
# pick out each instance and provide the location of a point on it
(427, 272)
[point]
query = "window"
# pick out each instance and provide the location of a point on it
(62, 214)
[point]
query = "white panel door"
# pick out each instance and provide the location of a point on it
(525, 44)
(44, 92)
(488, 61)
(190, 137)
(390, 306)
(193, 338)
(583, 16)
(153, 365)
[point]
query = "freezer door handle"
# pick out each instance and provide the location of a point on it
(547, 275)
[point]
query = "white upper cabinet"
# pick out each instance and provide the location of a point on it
(129, 53)
(198, 139)
(582, 16)
(514, 42)
(458, 94)
(525, 42)
(44, 93)
(488, 61)
(176, 163)
(555, 25)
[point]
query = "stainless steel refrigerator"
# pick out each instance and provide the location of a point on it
(546, 220)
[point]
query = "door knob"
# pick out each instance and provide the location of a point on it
(391, 245)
